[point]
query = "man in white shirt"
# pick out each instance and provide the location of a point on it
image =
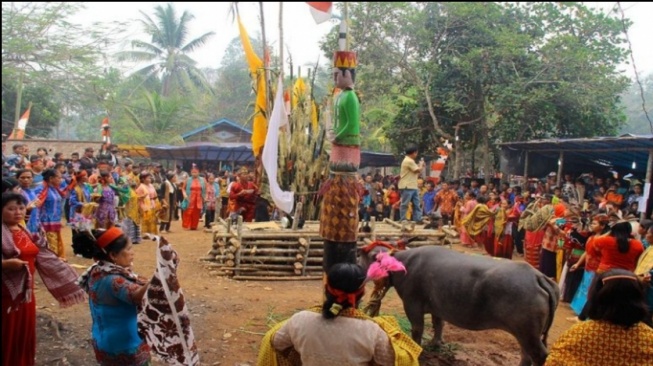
(408, 184)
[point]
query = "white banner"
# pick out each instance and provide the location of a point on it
(283, 200)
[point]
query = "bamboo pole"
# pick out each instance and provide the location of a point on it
(307, 247)
(239, 233)
(294, 278)
(525, 187)
(561, 163)
(648, 179)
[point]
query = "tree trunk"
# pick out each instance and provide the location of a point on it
(19, 99)
(487, 165)
(473, 160)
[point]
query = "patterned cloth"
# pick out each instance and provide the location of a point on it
(18, 315)
(599, 343)
(106, 213)
(339, 213)
(33, 224)
(166, 327)
(446, 200)
(80, 195)
(57, 276)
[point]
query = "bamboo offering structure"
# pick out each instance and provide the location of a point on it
(265, 251)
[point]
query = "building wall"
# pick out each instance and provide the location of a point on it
(67, 147)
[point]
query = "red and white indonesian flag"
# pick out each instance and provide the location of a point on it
(320, 10)
(279, 118)
(19, 132)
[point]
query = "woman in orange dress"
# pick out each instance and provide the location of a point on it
(194, 192)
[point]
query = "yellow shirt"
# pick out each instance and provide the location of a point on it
(599, 343)
(645, 262)
(408, 177)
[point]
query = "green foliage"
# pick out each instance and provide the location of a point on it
(44, 115)
(167, 52)
(42, 50)
(153, 119)
(509, 72)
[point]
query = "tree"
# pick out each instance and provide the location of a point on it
(154, 119)
(167, 52)
(508, 72)
(44, 115)
(42, 50)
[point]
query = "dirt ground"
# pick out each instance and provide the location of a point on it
(230, 317)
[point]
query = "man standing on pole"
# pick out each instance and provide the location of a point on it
(341, 192)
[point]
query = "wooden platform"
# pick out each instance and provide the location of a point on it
(266, 251)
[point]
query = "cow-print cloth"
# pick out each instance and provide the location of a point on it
(167, 330)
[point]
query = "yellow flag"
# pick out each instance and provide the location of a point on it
(299, 92)
(260, 124)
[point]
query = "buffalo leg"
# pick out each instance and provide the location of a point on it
(533, 350)
(416, 317)
(438, 328)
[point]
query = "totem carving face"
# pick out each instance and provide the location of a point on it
(343, 79)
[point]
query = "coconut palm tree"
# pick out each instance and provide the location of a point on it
(167, 53)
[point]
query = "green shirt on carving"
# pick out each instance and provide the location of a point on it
(347, 119)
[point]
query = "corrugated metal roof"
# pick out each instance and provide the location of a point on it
(214, 124)
(615, 151)
(603, 144)
(201, 151)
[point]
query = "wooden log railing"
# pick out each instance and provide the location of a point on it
(245, 252)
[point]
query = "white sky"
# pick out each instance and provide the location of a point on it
(302, 35)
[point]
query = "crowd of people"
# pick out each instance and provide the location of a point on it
(109, 189)
(585, 233)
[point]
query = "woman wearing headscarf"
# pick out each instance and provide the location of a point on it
(51, 200)
(148, 203)
(479, 224)
(337, 333)
(115, 293)
(80, 194)
(194, 192)
(467, 207)
(21, 258)
(243, 194)
(552, 232)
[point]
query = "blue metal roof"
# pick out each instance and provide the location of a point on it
(243, 154)
(616, 151)
(215, 124)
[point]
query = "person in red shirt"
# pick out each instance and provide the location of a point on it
(242, 196)
(619, 249)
